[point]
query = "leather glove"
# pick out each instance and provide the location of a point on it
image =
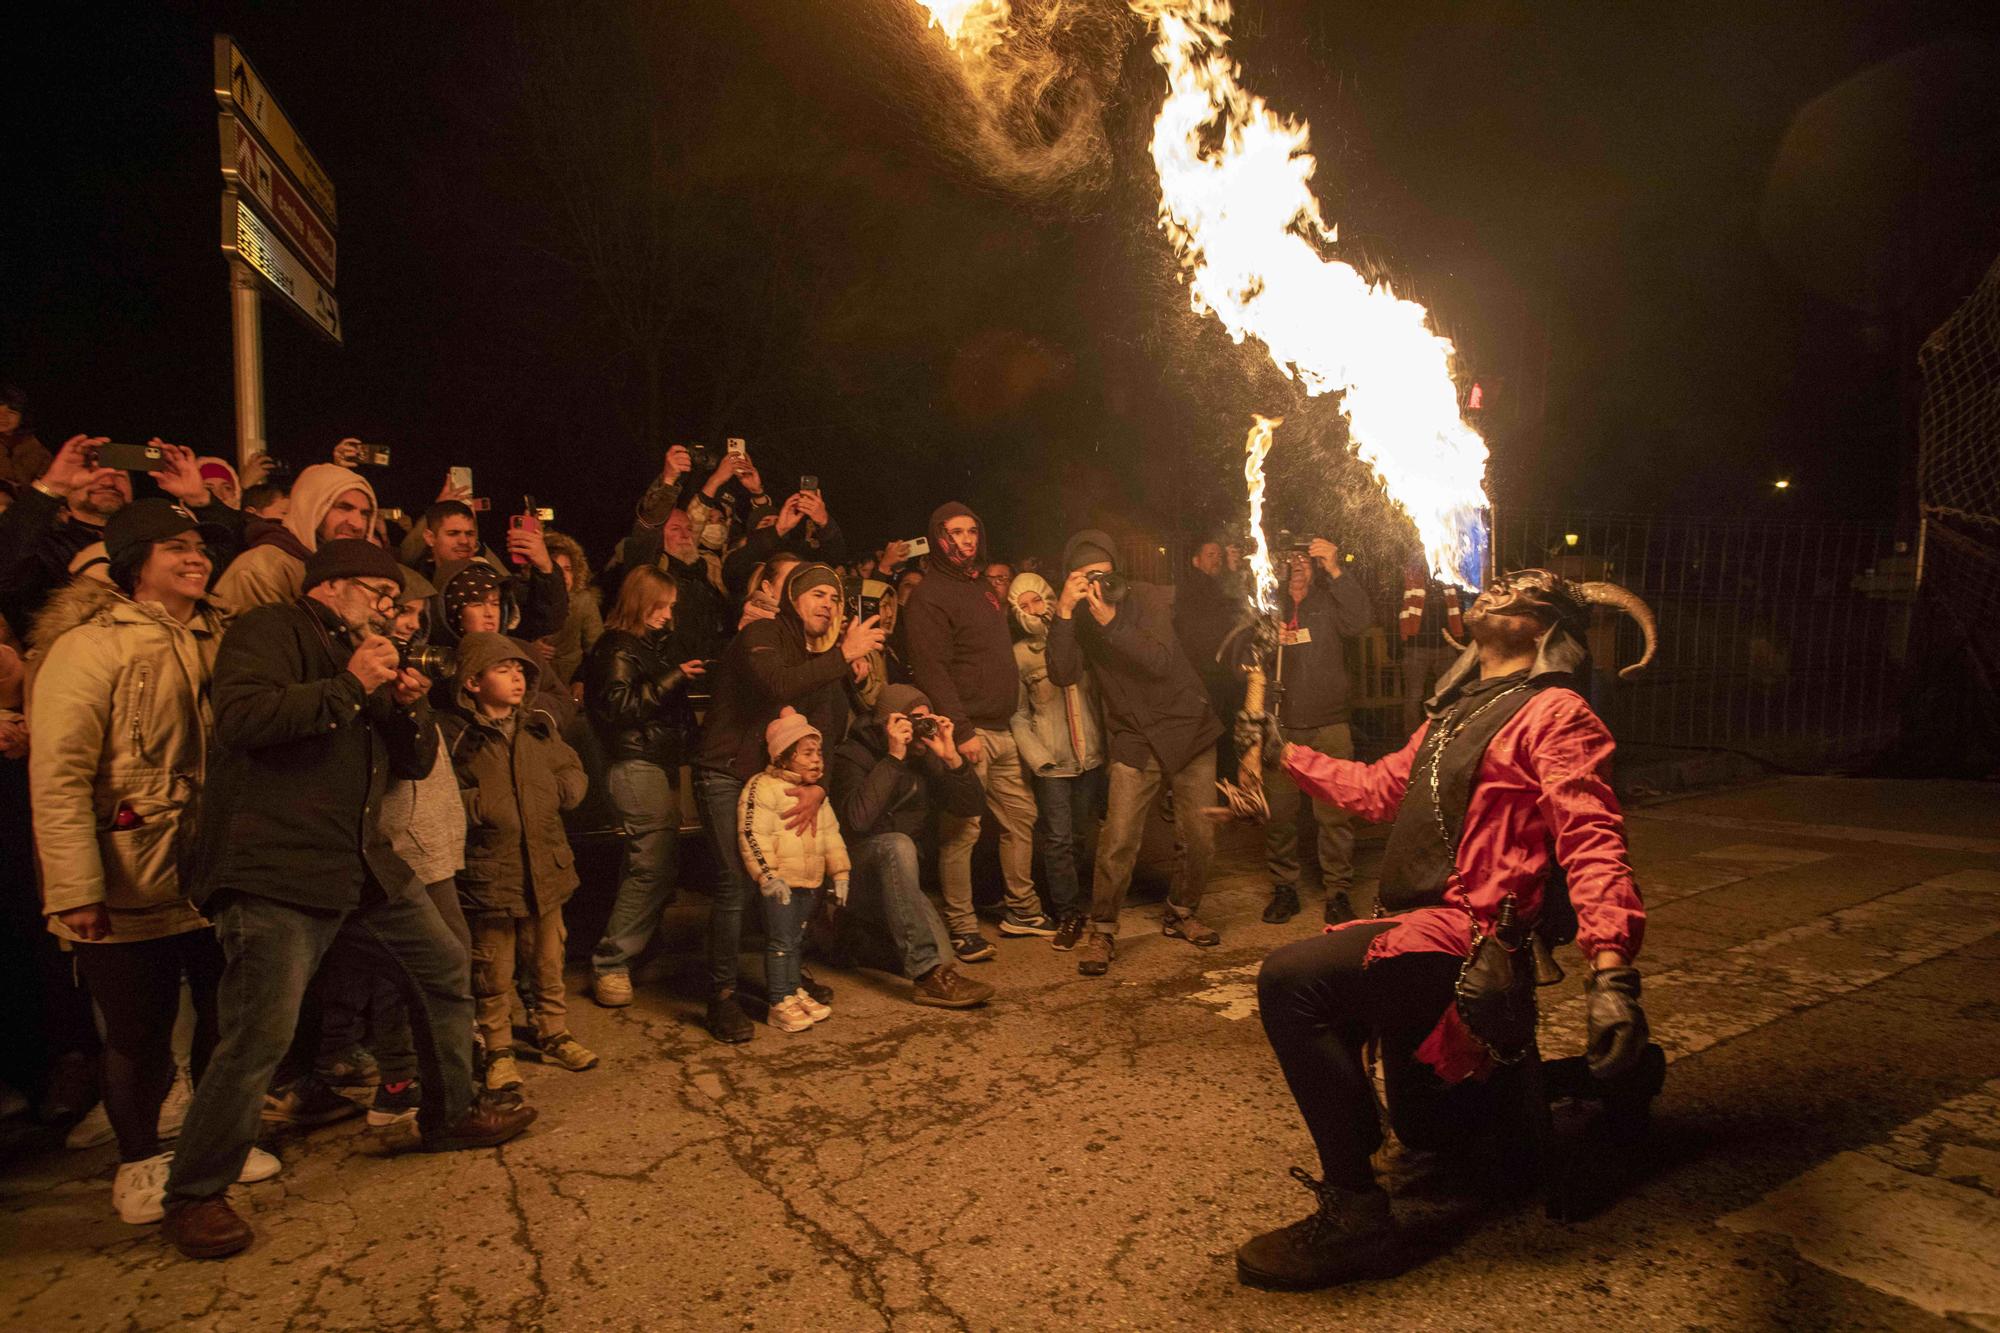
(1615, 1022)
(1255, 729)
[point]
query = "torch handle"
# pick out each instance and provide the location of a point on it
(1250, 764)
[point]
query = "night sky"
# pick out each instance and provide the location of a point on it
(1573, 188)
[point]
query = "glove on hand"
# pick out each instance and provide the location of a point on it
(1616, 1023)
(774, 886)
(1255, 729)
(840, 890)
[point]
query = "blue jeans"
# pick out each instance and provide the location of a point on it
(717, 792)
(1066, 812)
(643, 795)
(271, 950)
(886, 895)
(784, 940)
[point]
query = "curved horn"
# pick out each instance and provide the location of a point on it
(1611, 594)
(1445, 634)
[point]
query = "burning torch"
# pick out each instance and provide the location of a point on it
(1251, 648)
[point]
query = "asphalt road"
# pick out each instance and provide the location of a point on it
(1820, 966)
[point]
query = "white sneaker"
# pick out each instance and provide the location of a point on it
(139, 1190)
(91, 1131)
(173, 1111)
(613, 990)
(259, 1165)
(816, 1011)
(787, 1015)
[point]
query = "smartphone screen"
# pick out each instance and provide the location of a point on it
(809, 483)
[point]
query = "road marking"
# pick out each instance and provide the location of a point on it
(1938, 842)
(1892, 1216)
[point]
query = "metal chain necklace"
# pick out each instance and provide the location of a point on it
(1445, 738)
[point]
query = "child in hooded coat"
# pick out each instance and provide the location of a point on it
(790, 868)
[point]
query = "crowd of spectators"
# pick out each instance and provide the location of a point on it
(299, 778)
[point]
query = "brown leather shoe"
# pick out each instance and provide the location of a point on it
(1094, 955)
(1187, 926)
(487, 1123)
(206, 1228)
(945, 987)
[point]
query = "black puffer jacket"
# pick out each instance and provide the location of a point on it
(636, 695)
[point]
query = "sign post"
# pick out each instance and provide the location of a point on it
(279, 229)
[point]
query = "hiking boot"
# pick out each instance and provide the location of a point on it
(565, 1050)
(1284, 905)
(1187, 926)
(1031, 923)
(1095, 955)
(726, 1019)
(502, 1073)
(258, 1165)
(307, 1104)
(821, 994)
(613, 990)
(816, 1011)
(1070, 931)
(788, 1016)
(973, 948)
(1349, 1235)
(1339, 909)
(945, 987)
(139, 1190)
(487, 1123)
(206, 1229)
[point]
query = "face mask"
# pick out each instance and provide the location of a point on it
(715, 536)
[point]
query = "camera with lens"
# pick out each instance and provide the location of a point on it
(924, 727)
(1110, 585)
(864, 598)
(1290, 543)
(432, 659)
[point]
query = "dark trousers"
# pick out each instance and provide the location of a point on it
(1065, 823)
(717, 794)
(137, 986)
(272, 950)
(1320, 1005)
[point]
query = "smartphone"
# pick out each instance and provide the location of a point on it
(544, 513)
(919, 546)
(736, 445)
(372, 455)
(393, 516)
(131, 457)
(461, 477)
(809, 484)
(528, 520)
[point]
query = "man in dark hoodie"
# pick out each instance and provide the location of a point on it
(801, 658)
(962, 655)
(885, 783)
(1161, 727)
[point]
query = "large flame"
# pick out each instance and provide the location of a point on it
(1254, 448)
(972, 27)
(1236, 200)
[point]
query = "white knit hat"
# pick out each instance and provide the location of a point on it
(787, 729)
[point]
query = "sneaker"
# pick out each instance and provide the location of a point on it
(613, 990)
(392, 1120)
(139, 1190)
(1284, 905)
(565, 1050)
(945, 987)
(816, 1011)
(1339, 909)
(258, 1165)
(487, 1123)
(973, 948)
(1095, 955)
(726, 1019)
(1033, 923)
(502, 1073)
(1070, 931)
(1187, 926)
(92, 1131)
(71, 1090)
(1349, 1235)
(207, 1229)
(353, 1073)
(819, 991)
(787, 1016)
(306, 1104)
(173, 1111)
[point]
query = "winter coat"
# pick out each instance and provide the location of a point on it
(768, 666)
(40, 538)
(301, 759)
(802, 860)
(515, 781)
(120, 719)
(581, 629)
(1154, 704)
(1312, 659)
(875, 794)
(274, 568)
(961, 651)
(637, 699)
(1055, 726)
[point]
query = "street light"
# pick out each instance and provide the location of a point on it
(1783, 484)
(1571, 539)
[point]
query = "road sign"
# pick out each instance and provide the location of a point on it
(246, 237)
(256, 177)
(239, 88)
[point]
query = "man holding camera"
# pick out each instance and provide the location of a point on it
(1318, 609)
(310, 701)
(887, 777)
(1162, 730)
(962, 655)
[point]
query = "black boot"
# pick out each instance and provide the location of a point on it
(1338, 909)
(1284, 905)
(1350, 1235)
(726, 1019)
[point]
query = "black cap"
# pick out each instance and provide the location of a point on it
(351, 558)
(152, 520)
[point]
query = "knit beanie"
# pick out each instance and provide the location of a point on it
(787, 729)
(469, 585)
(899, 699)
(807, 577)
(1087, 548)
(351, 558)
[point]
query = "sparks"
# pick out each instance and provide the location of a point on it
(971, 27)
(1254, 448)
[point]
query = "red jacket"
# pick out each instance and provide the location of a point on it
(1545, 778)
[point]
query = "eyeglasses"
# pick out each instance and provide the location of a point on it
(376, 591)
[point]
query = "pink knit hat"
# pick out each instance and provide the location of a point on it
(787, 729)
